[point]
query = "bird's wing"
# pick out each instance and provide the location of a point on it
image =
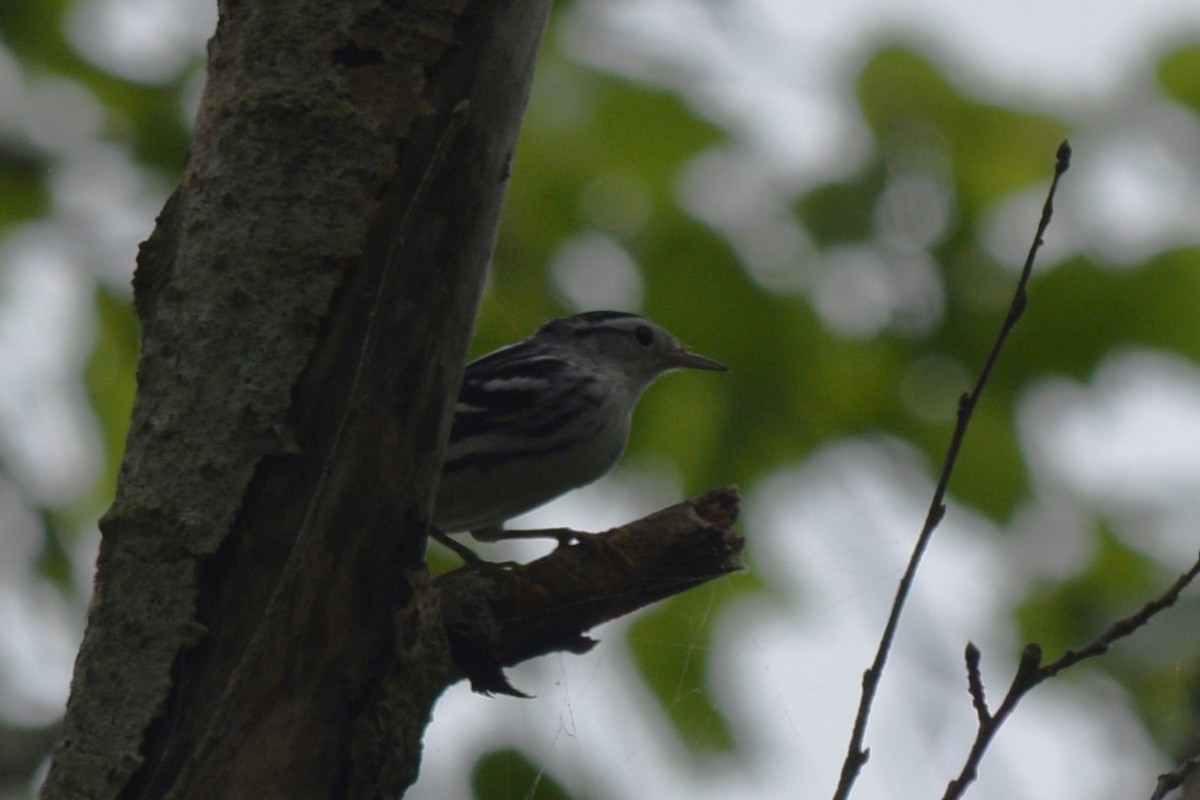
(513, 402)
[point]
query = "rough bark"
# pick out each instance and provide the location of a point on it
(500, 616)
(264, 625)
(306, 302)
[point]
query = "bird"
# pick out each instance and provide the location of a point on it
(546, 415)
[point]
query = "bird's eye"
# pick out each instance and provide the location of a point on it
(643, 335)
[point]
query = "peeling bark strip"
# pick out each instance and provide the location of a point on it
(306, 302)
(500, 617)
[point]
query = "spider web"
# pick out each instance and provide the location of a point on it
(828, 540)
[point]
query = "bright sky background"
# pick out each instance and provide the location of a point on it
(830, 534)
(833, 534)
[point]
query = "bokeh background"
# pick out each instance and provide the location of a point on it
(833, 199)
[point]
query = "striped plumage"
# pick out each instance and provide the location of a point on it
(549, 414)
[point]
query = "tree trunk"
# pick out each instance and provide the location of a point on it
(264, 625)
(306, 303)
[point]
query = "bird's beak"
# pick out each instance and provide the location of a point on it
(686, 359)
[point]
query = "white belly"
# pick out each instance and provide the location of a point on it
(472, 499)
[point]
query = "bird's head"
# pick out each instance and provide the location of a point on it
(629, 344)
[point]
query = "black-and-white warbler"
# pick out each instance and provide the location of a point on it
(546, 415)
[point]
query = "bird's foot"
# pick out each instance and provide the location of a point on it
(497, 534)
(469, 557)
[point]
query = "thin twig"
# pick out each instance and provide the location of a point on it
(856, 755)
(1170, 781)
(1030, 673)
(1124, 627)
(975, 684)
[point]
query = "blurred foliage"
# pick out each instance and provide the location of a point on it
(1179, 75)
(914, 112)
(1116, 583)
(504, 774)
(600, 154)
(796, 382)
(110, 378)
(148, 123)
(671, 645)
(23, 195)
(147, 118)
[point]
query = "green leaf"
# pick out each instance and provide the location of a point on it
(54, 561)
(671, 644)
(1066, 614)
(1117, 582)
(919, 118)
(1080, 312)
(33, 30)
(584, 133)
(22, 184)
(151, 119)
(1179, 75)
(110, 379)
(838, 213)
(507, 774)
